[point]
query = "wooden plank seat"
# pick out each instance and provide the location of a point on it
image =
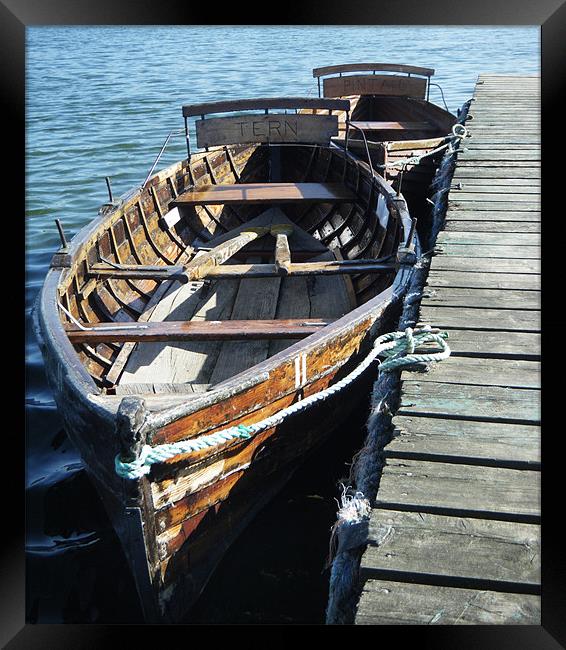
(257, 193)
(216, 330)
(369, 125)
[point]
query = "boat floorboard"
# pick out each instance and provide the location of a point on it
(454, 536)
(196, 366)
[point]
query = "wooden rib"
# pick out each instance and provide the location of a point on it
(180, 245)
(118, 298)
(149, 238)
(174, 192)
(118, 257)
(232, 163)
(315, 150)
(215, 181)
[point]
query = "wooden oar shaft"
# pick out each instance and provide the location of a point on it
(198, 267)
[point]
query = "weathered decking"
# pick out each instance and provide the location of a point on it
(455, 534)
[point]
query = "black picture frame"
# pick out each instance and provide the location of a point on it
(550, 15)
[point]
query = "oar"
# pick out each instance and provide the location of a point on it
(198, 267)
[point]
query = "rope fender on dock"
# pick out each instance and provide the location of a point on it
(398, 348)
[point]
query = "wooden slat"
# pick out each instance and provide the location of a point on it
(139, 271)
(498, 444)
(386, 602)
(156, 388)
(423, 546)
(474, 297)
(495, 196)
(487, 250)
(472, 213)
(250, 303)
(381, 67)
(258, 193)
(197, 330)
(509, 320)
(492, 344)
(468, 225)
(462, 490)
(393, 126)
(489, 238)
(472, 264)
(263, 103)
(523, 281)
(458, 370)
(467, 401)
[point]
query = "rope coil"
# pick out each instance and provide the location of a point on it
(398, 348)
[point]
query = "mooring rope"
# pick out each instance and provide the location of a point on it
(398, 348)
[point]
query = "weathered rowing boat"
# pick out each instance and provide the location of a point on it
(393, 120)
(227, 290)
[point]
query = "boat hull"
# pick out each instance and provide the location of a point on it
(176, 524)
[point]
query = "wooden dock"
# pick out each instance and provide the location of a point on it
(455, 533)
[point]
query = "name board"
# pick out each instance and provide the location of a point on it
(275, 128)
(373, 84)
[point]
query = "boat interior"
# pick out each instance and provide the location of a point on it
(392, 120)
(281, 241)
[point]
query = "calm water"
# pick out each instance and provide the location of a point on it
(100, 102)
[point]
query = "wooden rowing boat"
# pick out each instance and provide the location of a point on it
(393, 119)
(231, 285)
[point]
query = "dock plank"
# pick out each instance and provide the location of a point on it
(460, 490)
(524, 281)
(387, 602)
(498, 444)
(494, 344)
(472, 264)
(508, 320)
(471, 297)
(487, 250)
(424, 546)
(495, 171)
(489, 238)
(469, 225)
(472, 213)
(512, 373)
(469, 401)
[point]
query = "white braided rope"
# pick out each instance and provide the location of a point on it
(399, 349)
